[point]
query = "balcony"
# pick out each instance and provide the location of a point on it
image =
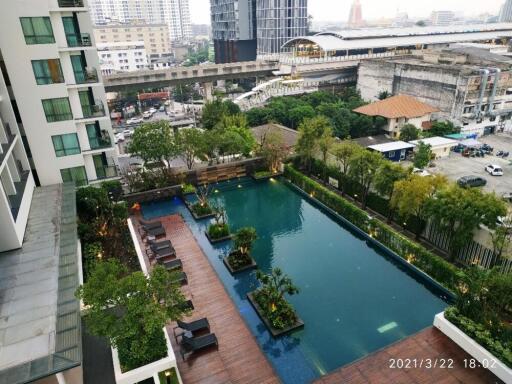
(15, 200)
(88, 75)
(100, 142)
(79, 40)
(70, 3)
(93, 110)
(106, 172)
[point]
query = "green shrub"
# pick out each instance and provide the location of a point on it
(139, 351)
(261, 174)
(502, 350)
(201, 209)
(218, 231)
(435, 266)
(188, 188)
(239, 260)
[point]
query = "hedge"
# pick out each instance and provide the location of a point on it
(482, 336)
(439, 269)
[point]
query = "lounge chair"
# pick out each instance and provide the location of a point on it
(161, 253)
(190, 345)
(181, 278)
(150, 224)
(172, 264)
(160, 244)
(193, 326)
(156, 232)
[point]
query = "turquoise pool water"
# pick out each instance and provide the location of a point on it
(354, 297)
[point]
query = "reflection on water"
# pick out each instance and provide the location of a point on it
(354, 299)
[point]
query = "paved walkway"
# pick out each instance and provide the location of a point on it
(238, 358)
(427, 344)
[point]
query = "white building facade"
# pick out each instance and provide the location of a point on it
(174, 13)
(122, 57)
(56, 90)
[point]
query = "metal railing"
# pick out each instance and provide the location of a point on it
(79, 40)
(100, 142)
(93, 110)
(106, 172)
(71, 3)
(89, 75)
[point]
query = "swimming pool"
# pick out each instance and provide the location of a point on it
(354, 298)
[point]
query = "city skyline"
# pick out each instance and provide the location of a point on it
(323, 10)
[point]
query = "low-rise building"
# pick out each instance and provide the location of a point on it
(394, 150)
(155, 37)
(399, 110)
(440, 146)
(122, 57)
(470, 87)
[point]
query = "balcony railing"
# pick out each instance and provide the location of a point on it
(79, 40)
(89, 75)
(106, 172)
(100, 142)
(93, 110)
(71, 3)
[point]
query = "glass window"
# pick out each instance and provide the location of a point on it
(47, 71)
(57, 109)
(66, 145)
(76, 174)
(37, 30)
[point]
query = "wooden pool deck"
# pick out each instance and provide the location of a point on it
(427, 344)
(238, 358)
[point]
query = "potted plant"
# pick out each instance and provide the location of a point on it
(202, 208)
(239, 259)
(219, 230)
(270, 303)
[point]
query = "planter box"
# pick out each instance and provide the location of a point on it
(469, 345)
(275, 332)
(219, 240)
(253, 265)
(150, 370)
(189, 206)
(266, 177)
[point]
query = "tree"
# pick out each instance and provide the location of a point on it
(310, 130)
(275, 285)
(388, 174)
(297, 115)
(273, 149)
(153, 142)
(442, 128)
(421, 23)
(459, 211)
(130, 309)
(363, 168)
(214, 111)
(184, 92)
(325, 143)
(344, 152)
(383, 95)
(243, 239)
(190, 144)
(257, 116)
(409, 132)
(411, 195)
(422, 155)
(501, 239)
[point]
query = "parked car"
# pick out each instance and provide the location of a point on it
(135, 120)
(504, 221)
(147, 115)
(494, 170)
(118, 137)
(487, 148)
(507, 196)
(420, 172)
(152, 110)
(127, 133)
(471, 181)
(161, 109)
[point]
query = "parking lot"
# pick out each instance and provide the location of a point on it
(457, 166)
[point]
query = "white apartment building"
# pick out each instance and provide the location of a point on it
(122, 57)
(154, 36)
(16, 180)
(442, 17)
(174, 13)
(56, 90)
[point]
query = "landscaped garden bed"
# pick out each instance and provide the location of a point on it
(219, 230)
(271, 306)
(199, 210)
(239, 259)
(265, 175)
(188, 189)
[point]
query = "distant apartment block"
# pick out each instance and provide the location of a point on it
(174, 13)
(442, 17)
(243, 29)
(355, 17)
(200, 30)
(122, 57)
(155, 38)
(56, 90)
(506, 12)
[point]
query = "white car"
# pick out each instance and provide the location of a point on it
(146, 115)
(127, 133)
(494, 170)
(134, 120)
(152, 110)
(119, 137)
(420, 172)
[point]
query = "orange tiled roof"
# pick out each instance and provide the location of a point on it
(397, 106)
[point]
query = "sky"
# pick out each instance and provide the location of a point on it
(337, 10)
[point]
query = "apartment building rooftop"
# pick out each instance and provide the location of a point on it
(39, 314)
